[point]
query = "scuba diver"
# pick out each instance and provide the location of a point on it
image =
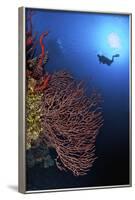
(105, 60)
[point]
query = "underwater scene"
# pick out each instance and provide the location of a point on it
(77, 99)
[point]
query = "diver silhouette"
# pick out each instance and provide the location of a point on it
(105, 60)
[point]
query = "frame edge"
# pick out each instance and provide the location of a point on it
(21, 99)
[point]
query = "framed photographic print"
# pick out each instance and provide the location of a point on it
(74, 100)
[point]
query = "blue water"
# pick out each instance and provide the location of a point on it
(73, 43)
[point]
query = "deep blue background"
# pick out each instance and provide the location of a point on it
(73, 43)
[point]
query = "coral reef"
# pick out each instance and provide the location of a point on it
(35, 65)
(59, 114)
(33, 113)
(36, 81)
(71, 123)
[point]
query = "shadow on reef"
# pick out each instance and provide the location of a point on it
(39, 154)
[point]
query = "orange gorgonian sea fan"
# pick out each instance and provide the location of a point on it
(71, 122)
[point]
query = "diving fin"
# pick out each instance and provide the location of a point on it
(116, 55)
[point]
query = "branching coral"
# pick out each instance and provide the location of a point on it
(71, 123)
(38, 70)
(35, 65)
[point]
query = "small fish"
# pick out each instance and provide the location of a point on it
(104, 60)
(59, 43)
